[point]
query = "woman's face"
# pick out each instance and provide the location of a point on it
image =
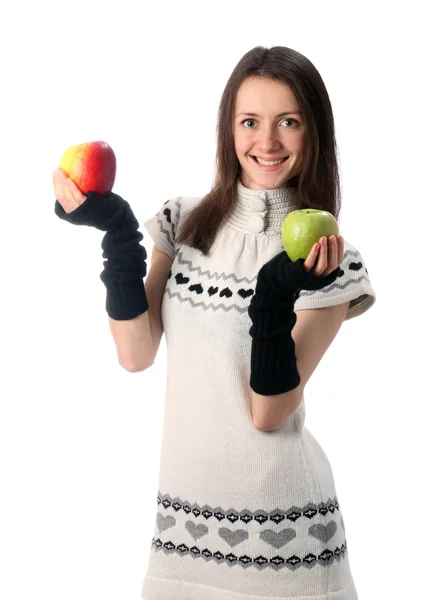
(268, 125)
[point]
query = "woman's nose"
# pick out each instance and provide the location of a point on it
(268, 137)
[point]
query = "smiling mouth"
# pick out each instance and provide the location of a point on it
(269, 162)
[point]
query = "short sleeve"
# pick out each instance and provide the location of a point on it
(353, 284)
(162, 227)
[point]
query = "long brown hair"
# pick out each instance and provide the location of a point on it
(318, 183)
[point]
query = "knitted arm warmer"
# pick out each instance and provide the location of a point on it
(124, 270)
(125, 264)
(273, 359)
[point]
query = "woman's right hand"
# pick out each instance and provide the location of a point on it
(105, 213)
(67, 192)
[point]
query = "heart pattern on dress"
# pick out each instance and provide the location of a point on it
(165, 522)
(167, 213)
(355, 266)
(197, 531)
(233, 538)
(277, 539)
(323, 532)
(181, 279)
(197, 287)
(245, 293)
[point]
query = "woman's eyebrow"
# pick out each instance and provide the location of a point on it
(288, 112)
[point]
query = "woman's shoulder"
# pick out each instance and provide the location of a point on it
(353, 284)
(353, 260)
(163, 225)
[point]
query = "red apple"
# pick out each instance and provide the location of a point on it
(92, 166)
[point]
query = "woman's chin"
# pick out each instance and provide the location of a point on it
(267, 179)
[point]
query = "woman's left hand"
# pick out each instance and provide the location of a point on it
(285, 277)
(329, 253)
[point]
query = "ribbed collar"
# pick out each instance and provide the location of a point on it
(262, 211)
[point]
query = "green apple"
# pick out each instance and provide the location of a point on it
(303, 228)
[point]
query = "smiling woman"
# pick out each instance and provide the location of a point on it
(247, 508)
(270, 151)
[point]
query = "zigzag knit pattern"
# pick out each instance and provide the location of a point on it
(192, 284)
(212, 290)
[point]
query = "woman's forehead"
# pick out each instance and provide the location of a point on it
(265, 97)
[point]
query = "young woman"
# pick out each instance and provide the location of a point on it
(247, 505)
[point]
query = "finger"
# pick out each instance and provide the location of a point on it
(74, 192)
(332, 254)
(61, 192)
(58, 189)
(65, 180)
(322, 263)
(311, 258)
(340, 249)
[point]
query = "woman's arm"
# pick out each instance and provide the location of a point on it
(313, 333)
(137, 340)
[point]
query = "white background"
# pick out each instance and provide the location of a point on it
(79, 436)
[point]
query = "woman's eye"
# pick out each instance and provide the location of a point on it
(291, 120)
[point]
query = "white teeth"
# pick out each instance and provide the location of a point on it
(269, 163)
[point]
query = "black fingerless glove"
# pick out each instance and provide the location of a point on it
(125, 266)
(273, 361)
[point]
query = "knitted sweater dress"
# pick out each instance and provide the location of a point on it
(242, 514)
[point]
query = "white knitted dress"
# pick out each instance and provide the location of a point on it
(242, 514)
